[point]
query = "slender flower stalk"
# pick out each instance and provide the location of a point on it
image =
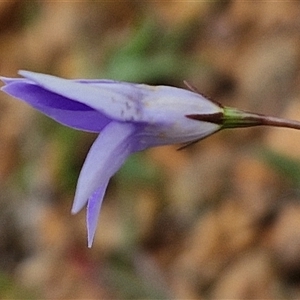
(129, 118)
(235, 118)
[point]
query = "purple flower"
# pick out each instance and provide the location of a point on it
(129, 117)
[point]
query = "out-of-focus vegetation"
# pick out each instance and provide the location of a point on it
(220, 219)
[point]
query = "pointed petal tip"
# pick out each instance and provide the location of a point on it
(91, 231)
(73, 211)
(93, 211)
(5, 80)
(90, 235)
(24, 72)
(90, 243)
(36, 77)
(78, 203)
(30, 75)
(75, 208)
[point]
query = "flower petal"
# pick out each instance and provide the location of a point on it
(61, 109)
(109, 151)
(93, 211)
(110, 101)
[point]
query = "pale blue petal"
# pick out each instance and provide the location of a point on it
(109, 151)
(93, 211)
(61, 109)
(109, 101)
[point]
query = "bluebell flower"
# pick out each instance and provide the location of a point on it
(129, 118)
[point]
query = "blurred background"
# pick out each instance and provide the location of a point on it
(220, 219)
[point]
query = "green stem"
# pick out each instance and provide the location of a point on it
(234, 118)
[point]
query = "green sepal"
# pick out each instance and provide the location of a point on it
(234, 118)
